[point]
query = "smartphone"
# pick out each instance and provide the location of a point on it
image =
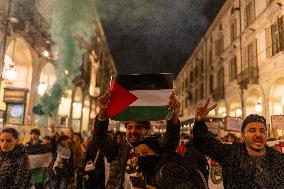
(138, 182)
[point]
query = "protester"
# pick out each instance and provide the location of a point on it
(122, 156)
(63, 166)
(251, 164)
(165, 170)
(230, 138)
(40, 157)
(75, 146)
(94, 178)
(195, 160)
(34, 140)
(118, 137)
(46, 139)
(14, 163)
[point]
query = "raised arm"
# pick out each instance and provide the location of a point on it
(171, 138)
(106, 145)
(203, 140)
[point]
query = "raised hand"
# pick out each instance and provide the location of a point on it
(174, 106)
(202, 111)
(103, 102)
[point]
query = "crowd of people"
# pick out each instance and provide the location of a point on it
(137, 160)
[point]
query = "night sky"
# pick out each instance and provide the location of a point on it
(152, 36)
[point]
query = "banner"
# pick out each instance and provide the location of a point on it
(277, 121)
(233, 123)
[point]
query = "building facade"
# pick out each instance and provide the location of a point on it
(28, 67)
(238, 63)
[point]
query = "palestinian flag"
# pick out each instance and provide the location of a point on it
(140, 97)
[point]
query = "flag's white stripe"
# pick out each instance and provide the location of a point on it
(151, 97)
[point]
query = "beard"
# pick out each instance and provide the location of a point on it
(135, 138)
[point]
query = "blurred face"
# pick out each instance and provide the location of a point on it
(34, 137)
(70, 134)
(255, 138)
(7, 142)
(65, 143)
(135, 132)
(77, 139)
(87, 141)
(230, 138)
(45, 141)
(144, 150)
(118, 138)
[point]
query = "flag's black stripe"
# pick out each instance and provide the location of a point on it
(144, 81)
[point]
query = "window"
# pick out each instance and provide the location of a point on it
(201, 65)
(252, 71)
(220, 78)
(196, 72)
(196, 96)
(234, 30)
(233, 68)
(201, 91)
(250, 13)
(210, 56)
(211, 83)
(219, 46)
(274, 38)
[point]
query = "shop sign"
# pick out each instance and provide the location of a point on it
(15, 114)
(233, 123)
(277, 121)
(14, 95)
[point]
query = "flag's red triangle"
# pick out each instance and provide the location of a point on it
(120, 99)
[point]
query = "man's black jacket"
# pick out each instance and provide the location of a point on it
(238, 168)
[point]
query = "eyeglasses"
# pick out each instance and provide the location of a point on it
(7, 140)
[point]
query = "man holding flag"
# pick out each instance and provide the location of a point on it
(142, 98)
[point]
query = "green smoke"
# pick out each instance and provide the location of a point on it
(70, 18)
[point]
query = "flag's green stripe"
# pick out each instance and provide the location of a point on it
(143, 113)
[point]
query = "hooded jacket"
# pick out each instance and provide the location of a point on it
(14, 168)
(239, 169)
(117, 154)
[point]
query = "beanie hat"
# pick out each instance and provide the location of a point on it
(253, 118)
(35, 132)
(152, 143)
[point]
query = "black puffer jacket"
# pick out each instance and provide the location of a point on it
(14, 168)
(172, 173)
(238, 168)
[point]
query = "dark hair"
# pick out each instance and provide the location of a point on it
(233, 136)
(152, 143)
(146, 124)
(195, 159)
(253, 118)
(79, 135)
(11, 131)
(62, 138)
(35, 132)
(46, 137)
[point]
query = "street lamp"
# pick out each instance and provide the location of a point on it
(238, 112)
(41, 88)
(258, 107)
(11, 73)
